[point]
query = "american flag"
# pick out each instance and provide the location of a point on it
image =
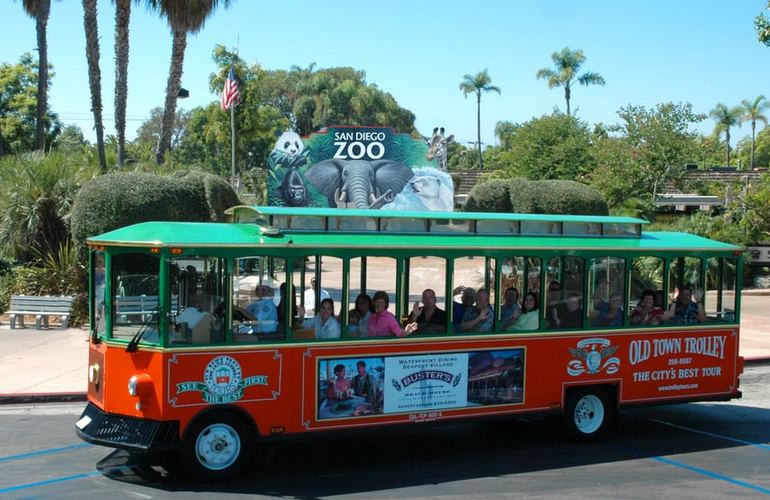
(230, 94)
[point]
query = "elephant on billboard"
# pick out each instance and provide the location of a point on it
(359, 183)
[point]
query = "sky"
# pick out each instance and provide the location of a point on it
(648, 51)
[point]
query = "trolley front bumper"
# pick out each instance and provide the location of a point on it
(130, 433)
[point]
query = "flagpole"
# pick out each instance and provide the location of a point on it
(232, 146)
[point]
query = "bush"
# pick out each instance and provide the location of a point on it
(489, 196)
(120, 199)
(521, 196)
(535, 197)
(567, 197)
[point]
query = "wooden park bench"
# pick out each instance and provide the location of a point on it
(41, 307)
(139, 308)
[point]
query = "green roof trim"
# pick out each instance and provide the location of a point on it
(224, 235)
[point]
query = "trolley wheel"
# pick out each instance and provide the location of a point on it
(588, 413)
(216, 447)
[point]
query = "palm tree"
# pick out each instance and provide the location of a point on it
(122, 17)
(725, 118)
(752, 112)
(504, 130)
(39, 10)
(94, 75)
(476, 84)
(567, 63)
(183, 17)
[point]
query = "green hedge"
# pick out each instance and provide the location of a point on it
(120, 199)
(489, 196)
(535, 197)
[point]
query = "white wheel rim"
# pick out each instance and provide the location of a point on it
(589, 414)
(218, 446)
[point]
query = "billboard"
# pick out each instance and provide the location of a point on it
(377, 385)
(357, 167)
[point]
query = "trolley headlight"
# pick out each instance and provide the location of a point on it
(140, 385)
(132, 383)
(94, 372)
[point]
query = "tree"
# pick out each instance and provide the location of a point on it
(94, 75)
(18, 106)
(725, 118)
(567, 63)
(122, 17)
(752, 112)
(504, 131)
(477, 84)
(71, 139)
(762, 25)
(39, 10)
(183, 18)
(149, 131)
(36, 193)
(550, 147)
(752, 209)
(648, 148)
(761, 149)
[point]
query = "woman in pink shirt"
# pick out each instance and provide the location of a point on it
(382, 323)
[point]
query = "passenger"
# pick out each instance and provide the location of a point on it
(659, 300)
(339, 386)
(510, 310)
(309, 298)
(358, 317)
(195, 324)
(554, 304)
(481, 317)
(429, 318)
(687, 308)
(646, 313)
(458, 308)
(530, 314)
(263, 310)
(610, 314)
(383, 323)
(325, 324)
(571, 315)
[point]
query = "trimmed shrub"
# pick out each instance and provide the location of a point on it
(536, 197)
(120, 199)
(567, 197)
(489, 196)
(523, 198)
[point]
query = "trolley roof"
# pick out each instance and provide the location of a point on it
(222, 235)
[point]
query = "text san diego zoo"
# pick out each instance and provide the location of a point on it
(354, 145)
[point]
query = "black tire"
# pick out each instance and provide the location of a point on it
(216, 446)
(588, 413)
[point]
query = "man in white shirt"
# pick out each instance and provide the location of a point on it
(310, 298)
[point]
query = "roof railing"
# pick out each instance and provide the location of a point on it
(290, 219)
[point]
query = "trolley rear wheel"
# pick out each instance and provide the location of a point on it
(588, 413)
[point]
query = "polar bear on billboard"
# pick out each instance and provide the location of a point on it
(429, 189)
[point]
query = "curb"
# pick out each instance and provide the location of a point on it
(53, 397)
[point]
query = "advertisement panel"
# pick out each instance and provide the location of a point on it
(354, 387)
(357, 167)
